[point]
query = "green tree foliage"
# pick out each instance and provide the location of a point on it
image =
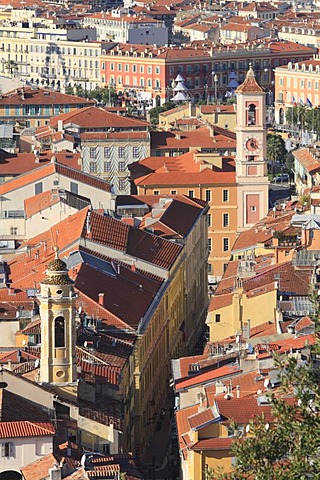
(289, 161)
(307, 118)
(11, 66)
(289, 449)
(154, 112)
(100, 94)
(276, 149)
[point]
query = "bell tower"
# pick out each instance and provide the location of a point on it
(58, 329)
(251, 161)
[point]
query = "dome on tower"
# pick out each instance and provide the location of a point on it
(57, 272)
(57, 265)
(250, 84)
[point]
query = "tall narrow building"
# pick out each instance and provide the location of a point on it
(58, 328)
(251, 158)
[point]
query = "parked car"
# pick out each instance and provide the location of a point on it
(281, 178)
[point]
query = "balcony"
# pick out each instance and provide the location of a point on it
(80, 79)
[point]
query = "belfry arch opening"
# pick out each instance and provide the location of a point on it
(59, 332)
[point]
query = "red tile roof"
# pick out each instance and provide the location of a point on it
(250, 84)
(22, 418)
(25, 429)
(42, 96)
(213, 444)
(47, 170)
(97, 117)
(18, 163)
(199, 138)
(204, 377)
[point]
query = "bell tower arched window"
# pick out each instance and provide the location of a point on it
(59, 332)
(252, 114)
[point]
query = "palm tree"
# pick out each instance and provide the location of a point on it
(11, 66)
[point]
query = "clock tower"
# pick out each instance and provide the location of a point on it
(251, 161)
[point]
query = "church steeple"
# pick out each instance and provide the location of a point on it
(251, 157)
(58, 332)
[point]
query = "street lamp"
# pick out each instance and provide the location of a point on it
(215, 85)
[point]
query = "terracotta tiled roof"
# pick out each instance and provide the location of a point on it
(199, 138)
(97, 117)
(213, 444)
(25, 429)
(42, 96)
(220, 301)
(202, 378)
(18, 163)
(242, 410)
(127, 298)
(21, 418)
(40, 469)
(306, 158)
(135, 242)
(250, 84)
(202, 418)
(48, 170)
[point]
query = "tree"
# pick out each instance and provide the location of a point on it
(11, 66)
(276, 149)
(290, 447)
(154, 112)
(289, 161)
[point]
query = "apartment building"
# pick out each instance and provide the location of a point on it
(123, 27)
(148, 72)
(50, 56)
(296, 84)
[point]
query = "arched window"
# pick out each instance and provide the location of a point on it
(252, 120)
(59, 332)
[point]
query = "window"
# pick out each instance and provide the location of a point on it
(119, 67)
(121, 152)
(252, 114)
(253, 208)
(73, 187)
(191, 193)
(209, 217)
(209, 244)
(225, 195)
(112, 67)
(13, 230)
(208, 195)
(156, 192)
(134, 68)
(218, 318)
(105, 448)
(7, 449)
(40, 447)
(38, 188)
(173, 192)
(122, 166)
(225, 244)
(59, 332)
(122, 185)
(225, 220)
(93, 167)
(92, 152)
(210, 268)
(157, 70)
(107, 167)
(107, 152)
(135, 152)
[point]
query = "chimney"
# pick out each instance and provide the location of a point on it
(101, 299)
(55, 473)
(10, 365)
(133, 267)
(60, 126)
(238, 391)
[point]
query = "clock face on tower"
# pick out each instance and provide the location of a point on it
(252, 144)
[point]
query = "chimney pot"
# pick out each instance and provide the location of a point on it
(101, 299)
